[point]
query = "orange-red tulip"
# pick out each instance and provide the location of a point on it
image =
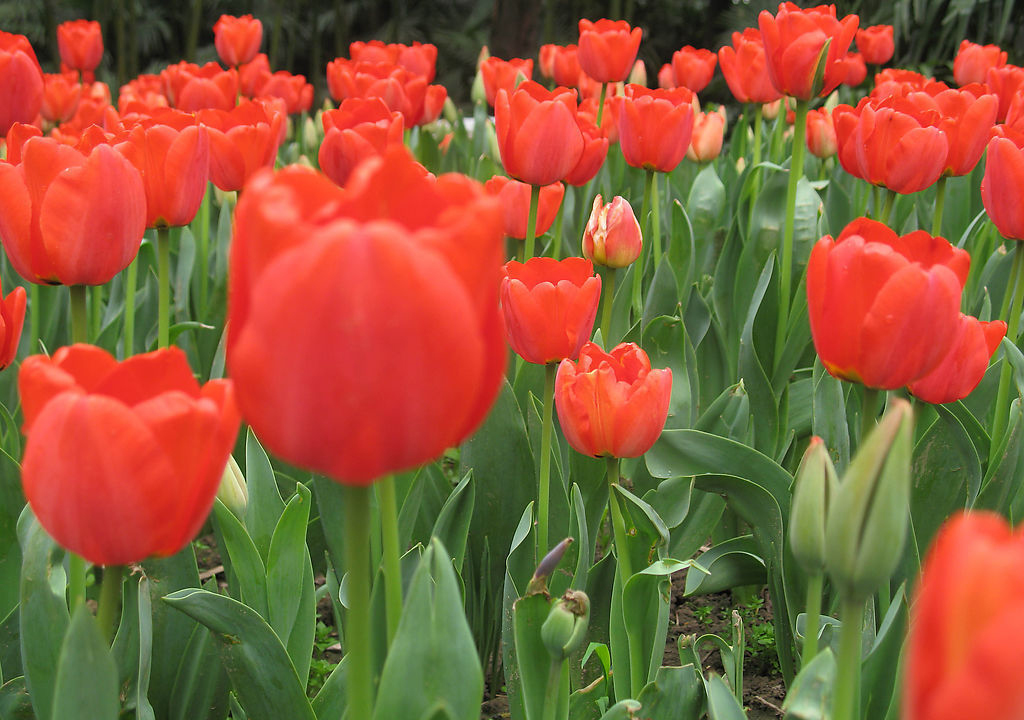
(612, 237)
(1003, 183)
(402, 90)
(419, 58)
(123, 460)
(21, 82)
(80, 43)
(895, 81)
(595, 148)
(655, 127)
(856, 70)
(296, 93)
(965, 116)
(12, 318)
(498, 74)
(612, 404)
(608, 48)
(70, 218)
(515, 201)
(708, 134)
(964, 365)
(242, 141)
(745, 68)
(965, 645)
(821, 133)
(61, 93)
(876, 44)
(361, 128)
(973, 62)
(549, 307)
(693, 68)
(1006, 82)
(539, 136)
(237, 39)
(884, 309)
(561, 63)
(365, 335)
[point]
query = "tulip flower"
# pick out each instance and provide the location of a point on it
(561, 63)
(793, 41)
(296, 93)
(69, 217)
(80, 43)
(973, 62)
(1002, 183)
(964, 116)
(595, 149)
(410, 292)
(123, 460)
(821, 133)
(402, 90)
(856, 70)
(655, 127)
(61, 93)
(539, 136)
(242, 141)
(141, 94)
(21, 82)
(612, 237)
(708, 134)
(12, 319)
(419, 58)
(515, 200)
(190, 87)
(607, 49)
(612, 404)
(896, 81)
(876, 44)
(965, 645)
(745, 68)
(964, 366)
(237, 39)
(884, 310)
(693, 68)
(360, 128)
(498, 74)
(1006, 82)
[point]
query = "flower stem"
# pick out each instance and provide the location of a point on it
(556, 244)
(531, 222)
(108, 612)
(96, 305)
(392, 553)
(357, 629)
(655, 231)
(1016, 293)
(890, 200)
(33, 317)
(868, 413)
(608, 290)
(544, 483)
(848, 674)
(204, 244)
(79, 314)
(618, 523)
(551, 691)
(131, 275)
(796, 171)
(755, 160)
(76, 581)
(600, 103)
(814, 584)
(641, 262)
(940, 203)
(163, 245)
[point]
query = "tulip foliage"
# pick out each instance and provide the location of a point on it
(381, 411)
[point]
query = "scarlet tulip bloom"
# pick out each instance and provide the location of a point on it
(60, 220)
(400, 89)
(61, 93)
(612, 404)
(242, 141)
(1006, 82)
(964, 647)
(876, 44)
(419, 58)
(884, 310)
(12, 319)
(608, 48)
(895, 81)
(561, 63)
(399, 274)
(361, 128)
(21, 82)
(856, 70)
(693, 68)
(237, 39)
(745, 68)
(498, 74)
(539, 136)
(296, 93)
(708, 134)
(655, 127)
(549, 307)
(80, 43)
(1002, 183)
(793, 39)
(965, 116)
(595, 149)
(612, 237)
(964, 365)
(973, 62)
(141, 94)
(515, 201)
(123, 460)
(821, 133)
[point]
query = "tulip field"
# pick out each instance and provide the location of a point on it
(376, 407)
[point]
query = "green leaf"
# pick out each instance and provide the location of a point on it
(143, 708)
(532, 657)
(671, 500)
(623, 710)
(452, 524)
(676, 693)
(86, 683)
(722, 704)
(246, 563)
(730, 564)
(330, 702)
(261, 672)
(880, 670)
(662, 297)
(828, 416)
(265, 504)
(663, 340)
(755, 363)
(810, 697)
(15, 703)
(200, 688)
(519, 567)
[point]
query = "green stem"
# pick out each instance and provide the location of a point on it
(890, 200)
(544, 483)
(79, 314)
(755, 160)
(940, 203)
(1012, 319)
(34, 311)
(76, 579)
(876, 202)
(357, 629)
(655, 231)
(608, 291)
(600, 102)
(131, 275)
(556, 243)
(868, 414)
(796, 171)
(96, 305)
(641, 262)
(551, 691)
(392, 553)
(108, 612)
(814, 585)
(163, 245)
(204, 244)
(531, 222)
(848, 674)
(618, 523)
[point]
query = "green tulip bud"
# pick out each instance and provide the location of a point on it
(477, 93)
(310, 136)
(867, 521)
(565, 628)
(814, 488)
(233, 491)
(449, 112)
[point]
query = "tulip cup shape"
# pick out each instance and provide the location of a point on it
(884, 309)
(123, 460)
(973, 62)
(965, 646)
(539, 136)
(359, 129)
(80, 43)
(876, 44)
(964, 365)
(693, 68)
(12, 319)
(655, 127)
(515, 201)
(21, 82)
(237, 39)
(612, 404)
(745, 68)
(607, 49)
(1003, 183)
(612, 237)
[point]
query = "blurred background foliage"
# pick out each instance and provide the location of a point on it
(303, 35)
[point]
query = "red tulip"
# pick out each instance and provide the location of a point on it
(965, 116)
(607, 49)
(70, 218)
(539, 136)
(1006, 82)
(549, 307)
(856, 70)
(419, 58)
(61, 94)
(395, 279)
(242, 141)
(361, 128)
(12, 318)
(561, 63)
(793, 40)
(400, 89)
(745, 68)
(498, 74)
(595, 149)
(21, 82)
(612, 237)
(821, 133)
(964, 365)
(237, 39)
(894, 81)
(123, 460)
(1003, 182)
(293, 89)
(80, 43)
(973, 62)
(965, 645)
(612, 404)
(655, 127)
(876, 44)
(884, 310)
(253, 74)
(708, 134)
(142, 94)
(515, 201)
(693, 68)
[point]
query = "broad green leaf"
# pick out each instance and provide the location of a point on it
(519, 566)
(86, 684)
(676, 693)
(532, 657)
(15, 703)
(730, 564)
(200, 688)
(810, 697)
(756, 360)
(623, 710)
(722, 704)
(452, 524)
(265, 504)
(662, 298)
(880, 671)
(143, 708)
(663, 340)
(701, 518)
(828, 416)
(330, 702)
(671, 500)
(245, 559)
(286, 565)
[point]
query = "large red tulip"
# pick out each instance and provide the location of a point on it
(359, 129)
(61, 93)
(693, 68)
(745, 68)
(608, 48)
(964, 365)
(237, 39)
(539, 136)
(498, 74)
(21, 82)
(123, 460)
(655, 127)
(419, 58)
(80, 43)
(1003, 183)
(973, 62)
(876, 44)
(242, 141)
(515, 201)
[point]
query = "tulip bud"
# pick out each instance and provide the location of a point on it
(310, 134)
(565, 628)
(815, 485)
(770, 111)
(477, 93)
(638, 75)
(449, 111)
(821, 134)
(613, 236)
(233, 491)
(708, 133)
(867, 521)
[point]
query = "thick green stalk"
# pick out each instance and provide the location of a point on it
(108, 612)
(131, 275)
(551, 691)
(531, 222)
(618, 523)
(357, 627)
(641, 262)
(890, 200)
(34, 311)
(76, 581)
(847, 686)
(940, 203)
(96, 306)
(600, 102)
(1012, 319)
(163, 261)
(556, 244)
(544, 483)
(392, 553)
(203, 239)
(79, 314)
(755, 160)
(814, 585)
(608, 291)
(868, 413)
(796, 171)
(655, 230)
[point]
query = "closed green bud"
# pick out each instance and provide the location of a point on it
(867, 521)
(477, 93)
(233, 491)
(449, 112)
(310, 137)
(565, 628)
(814, 489)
